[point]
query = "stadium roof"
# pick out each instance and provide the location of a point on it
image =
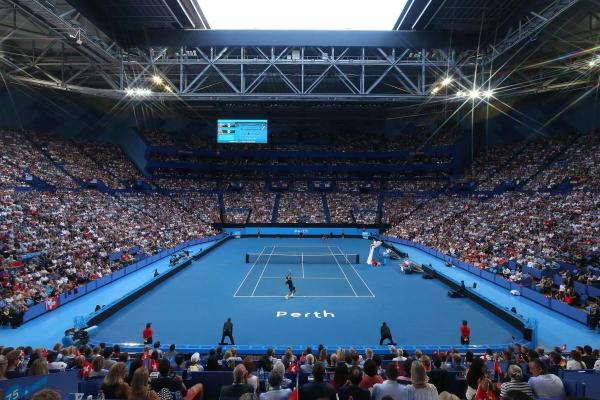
(302, 15)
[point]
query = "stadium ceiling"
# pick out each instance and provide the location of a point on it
(165, 50)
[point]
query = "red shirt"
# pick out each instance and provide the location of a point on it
(147, 333)
(465, 331)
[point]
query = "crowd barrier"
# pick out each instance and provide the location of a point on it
(555, 305)
(23, 388)
(40, 309)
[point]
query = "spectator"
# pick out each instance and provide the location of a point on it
(439, 377)
(98, 368)
(353, 390)
(420, 389)
(114, 385)
(340, 376)
(370, 377)
(135, 364)
(53, 363)
(516, 382)
(251, 379)
(194, 365)
(164, 380)
(307, 367)
(576, 362)
(275, 391)
(317, 388)
(390, 387)
(476, 372)
(542, 383)
(140, 390)
(3, 365)
(39, 367)
(239, 385)
(46, 394)
(14, 362)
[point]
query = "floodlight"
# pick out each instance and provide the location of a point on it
(474, 94)
(460, 94)
(447, 80)
(157, 79)
(488, 93)
(435, 90)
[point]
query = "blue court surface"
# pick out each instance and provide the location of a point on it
(338, 302)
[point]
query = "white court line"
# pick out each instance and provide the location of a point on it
(315, 296)
(298, 277)
(302, 261)
(250, 270)
(356, 295)
(263, 271)
(352, 265)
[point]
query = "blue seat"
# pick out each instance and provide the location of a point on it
(212, 382)
(90, 387)
(575, 389)
(589, 377)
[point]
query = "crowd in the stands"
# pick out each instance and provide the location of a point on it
(309, 140)
(51, 241)
(161, 373)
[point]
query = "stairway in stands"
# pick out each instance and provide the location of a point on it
(380, 201)
(275, 209)
(221, 206)
(326, 208)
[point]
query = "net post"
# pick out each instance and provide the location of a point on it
(247, 258)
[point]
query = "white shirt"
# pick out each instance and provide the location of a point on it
(391, 388)
(572, 364)
(278, 394)
(548, 385)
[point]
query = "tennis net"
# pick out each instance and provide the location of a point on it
(301, 258)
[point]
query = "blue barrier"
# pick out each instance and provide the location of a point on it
(569, 311)
(487, 275)
(535, 296)
(105, 280)
(512, 265)
(118, 274)
(593, 291)
(536, 273)
(90, 286)
(580, 288)
(474, 270)
(500, 281)
(557, 279)
(25, 388)
(115, 256)
(39, 309)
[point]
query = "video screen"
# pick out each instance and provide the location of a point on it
(242, 131)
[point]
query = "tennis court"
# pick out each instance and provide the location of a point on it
(338, 302)
(317, 271)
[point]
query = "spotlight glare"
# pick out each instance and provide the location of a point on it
(157, 79)
(138, 92)
(435, 90)
(474, 94)
(447, 80)
(592, 63)
(460, 94)
(488, 93)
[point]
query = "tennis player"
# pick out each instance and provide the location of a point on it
(290, 284)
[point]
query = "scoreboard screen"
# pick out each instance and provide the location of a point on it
(242, 131)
